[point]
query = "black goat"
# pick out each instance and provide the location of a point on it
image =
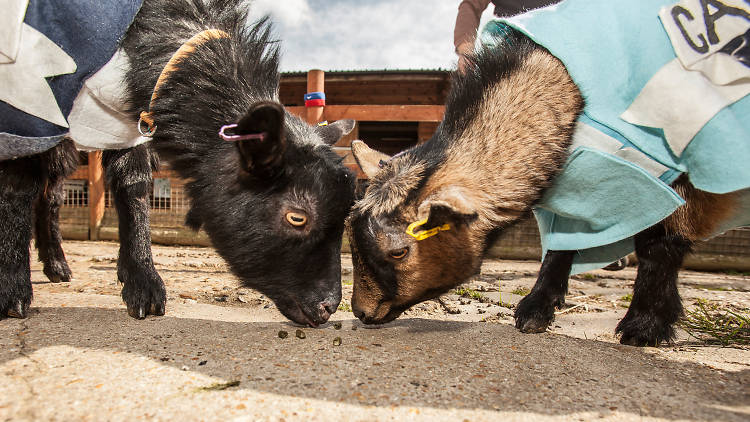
(268, 189)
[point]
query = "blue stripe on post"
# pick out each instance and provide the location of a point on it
(315, 96)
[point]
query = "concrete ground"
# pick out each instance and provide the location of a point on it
(217, 354)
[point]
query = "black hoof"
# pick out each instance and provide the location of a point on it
(15, 298)
(643, 329)
(140, 312)
(58, 272)
(535, 313)
(18, 310)
(144, 296)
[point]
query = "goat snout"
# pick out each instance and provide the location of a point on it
(326, 308)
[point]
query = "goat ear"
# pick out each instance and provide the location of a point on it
(367, 158)
(332, 132)
(261, 155)
(449, 205)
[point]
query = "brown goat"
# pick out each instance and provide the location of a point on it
(506, 135)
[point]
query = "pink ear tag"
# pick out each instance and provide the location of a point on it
(234, 138)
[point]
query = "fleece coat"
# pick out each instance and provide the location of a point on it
(666, 86)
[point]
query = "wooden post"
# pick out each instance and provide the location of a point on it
(425, 130)
(96, 194)
(315, 83)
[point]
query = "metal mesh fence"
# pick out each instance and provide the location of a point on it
(524, 234)
(523, 241)
(732, 243)
(169, 205)
(74, 213)
(167, 199)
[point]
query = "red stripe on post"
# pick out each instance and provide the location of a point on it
(315, 103)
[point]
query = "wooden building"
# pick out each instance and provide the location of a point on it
(394, 110)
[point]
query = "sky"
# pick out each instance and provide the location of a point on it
(363, 34)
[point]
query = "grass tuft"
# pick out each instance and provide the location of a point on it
(469, 293)
(712, 324)
(521, 291)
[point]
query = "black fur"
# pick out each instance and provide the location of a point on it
(656, 303)
(129, 177)
(62, 162)
(536, 311)
(239, 191)
(22, 183)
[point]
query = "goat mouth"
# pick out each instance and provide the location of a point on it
(298, 315)
(392, 314)
(305, 319)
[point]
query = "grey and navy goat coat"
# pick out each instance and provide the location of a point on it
(666, 87)
(61, 74)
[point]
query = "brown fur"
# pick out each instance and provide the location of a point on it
(505, 160)
(702, 213)
(390, 188)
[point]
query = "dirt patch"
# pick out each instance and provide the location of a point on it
(596, 300)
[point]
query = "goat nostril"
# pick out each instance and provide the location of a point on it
(325, 310)
(358, 313)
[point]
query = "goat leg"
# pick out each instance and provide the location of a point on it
(656, 303)
(536, 311)
(129, 176)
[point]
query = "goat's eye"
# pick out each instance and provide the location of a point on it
(398, 253)
(296, 219)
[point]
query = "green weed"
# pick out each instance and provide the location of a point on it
(712, 324)
(469, 293)
(521, 291)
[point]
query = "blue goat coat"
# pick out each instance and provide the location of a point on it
(662, 97)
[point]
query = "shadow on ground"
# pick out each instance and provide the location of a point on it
(411, 362)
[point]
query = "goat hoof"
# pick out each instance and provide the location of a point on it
(157, 309)
(644, 329)
(637, 341)
(17, 311)
(137, 313)
(58, 279)
(142, 310)
(532, 326)
(58, 272)
(143, 293)
(534, 314)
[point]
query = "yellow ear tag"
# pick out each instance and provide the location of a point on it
(424, 234)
